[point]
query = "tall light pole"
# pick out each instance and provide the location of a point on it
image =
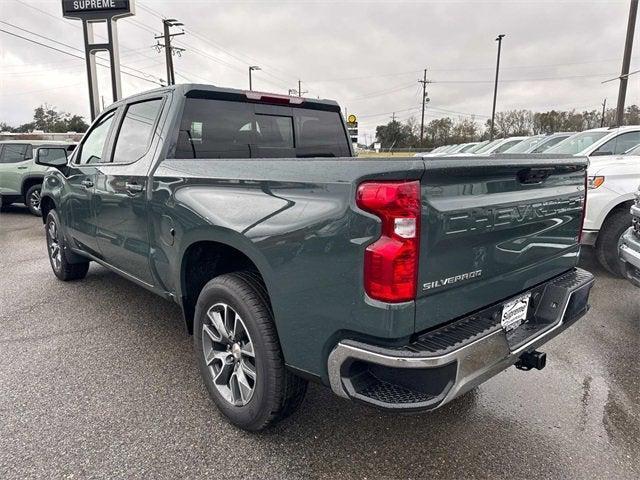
(626, 61)
(495, 88)
(251, 69)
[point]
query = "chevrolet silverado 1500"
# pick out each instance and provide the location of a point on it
(399, 283)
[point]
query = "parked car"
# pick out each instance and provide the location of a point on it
(612, 184)
(538, 143)
(477, 147)
(401, 283)
(599, 141)
(461, 148)
(499, 145)
(630, 245)
(549, 141)
(20, 177)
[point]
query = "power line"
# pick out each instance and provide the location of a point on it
(70, 46)
(73, 55)
(236, 56)
(514, 80)
(397, 88)
(74, 25)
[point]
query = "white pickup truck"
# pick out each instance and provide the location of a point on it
(613, 180)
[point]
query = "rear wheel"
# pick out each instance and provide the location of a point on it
(239, 354)
(608, 237)
(32, 199)
(58, 258)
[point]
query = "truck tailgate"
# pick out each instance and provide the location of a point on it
(491, 228)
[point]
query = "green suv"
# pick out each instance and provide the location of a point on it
(20, 177)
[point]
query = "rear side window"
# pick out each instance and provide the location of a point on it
(136, 131)
(321, 134)
(227, 129)
(13, 153)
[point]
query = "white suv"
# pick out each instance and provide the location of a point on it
(613, 180)
(599, 141)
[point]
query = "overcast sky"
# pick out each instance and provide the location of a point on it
(367, 55)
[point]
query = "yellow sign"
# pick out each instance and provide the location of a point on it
(352, 119)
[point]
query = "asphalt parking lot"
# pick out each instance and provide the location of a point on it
(97, 379)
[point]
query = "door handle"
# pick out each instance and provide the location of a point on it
(134, 187)
(86, 183)
(22, 168)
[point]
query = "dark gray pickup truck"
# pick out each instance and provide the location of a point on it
(400, 283)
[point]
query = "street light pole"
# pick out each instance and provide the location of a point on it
(626, 62)
(495, 88)
(251, 69)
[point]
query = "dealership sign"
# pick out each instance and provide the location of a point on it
(96, 9)
(92, 13)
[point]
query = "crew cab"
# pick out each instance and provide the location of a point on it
(20, 177)
(401, 283)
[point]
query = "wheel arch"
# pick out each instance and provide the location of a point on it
(29, 182)
(624, 205)
(205, 259)
(46, 205)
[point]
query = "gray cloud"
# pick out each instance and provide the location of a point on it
(366, 55)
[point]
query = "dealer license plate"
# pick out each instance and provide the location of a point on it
(514, 312)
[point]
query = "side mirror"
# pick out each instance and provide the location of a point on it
(52, 157)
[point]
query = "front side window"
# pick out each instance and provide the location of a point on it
(136, 131)
(13, 153)
(93, 146)
(620, 144)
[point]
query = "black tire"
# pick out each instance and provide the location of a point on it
(277, 393)
(608, 237)
(61, 266)
(32, 200)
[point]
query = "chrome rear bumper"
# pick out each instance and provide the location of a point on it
(406, 379)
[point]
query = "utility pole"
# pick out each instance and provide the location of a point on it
(626, 61)
(393, 117)
(495, 88)
(299, 92)
(169, 51)
(251, 69)
(424, 82)
(604, 109)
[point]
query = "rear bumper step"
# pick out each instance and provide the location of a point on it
(444, 363)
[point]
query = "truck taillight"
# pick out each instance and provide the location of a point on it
(391, 262)
(584, 207)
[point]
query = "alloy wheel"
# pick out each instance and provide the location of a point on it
(34, 200)
(55, 252)
(229, 354)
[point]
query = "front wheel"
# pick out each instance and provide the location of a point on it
(609, 237)
(32, 200)
(58, 258)
(239, 354)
